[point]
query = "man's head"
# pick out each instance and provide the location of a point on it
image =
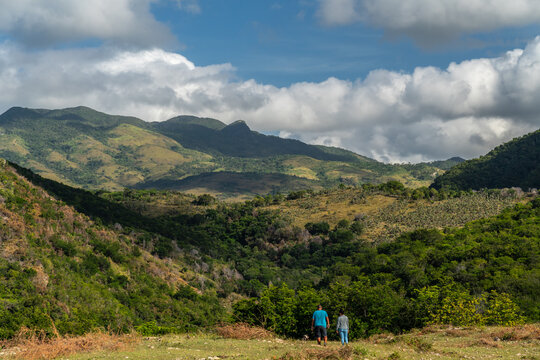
(319, 307)
(341, 312)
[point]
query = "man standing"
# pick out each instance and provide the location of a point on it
(320, 322)
(343, 327)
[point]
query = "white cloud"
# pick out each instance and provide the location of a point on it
(431, 21)
(191, 6)
(39, 23)
(432, 113)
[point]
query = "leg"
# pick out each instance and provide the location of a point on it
(342, 335)
(346, 335)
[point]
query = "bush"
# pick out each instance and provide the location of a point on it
(319, 228)
(204, 200)
(152, 329)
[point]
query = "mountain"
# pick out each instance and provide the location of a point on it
(513, 164)
(86, 148)
(237, 140)
(83, 147)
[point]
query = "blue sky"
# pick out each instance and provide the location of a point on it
(394, 80)
(283, 42)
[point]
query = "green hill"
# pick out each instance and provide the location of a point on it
(89, 149)
(62, 271)
(513, 164)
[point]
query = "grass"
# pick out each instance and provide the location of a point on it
(436, 342)
(29, 345)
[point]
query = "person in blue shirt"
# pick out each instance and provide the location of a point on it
(320, 323)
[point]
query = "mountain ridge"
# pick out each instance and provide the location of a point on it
(91, 149)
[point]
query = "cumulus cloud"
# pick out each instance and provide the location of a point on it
(38, 23)
(430, 22)
(431, 113)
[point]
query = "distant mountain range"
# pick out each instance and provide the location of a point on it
(86, 148)
(513, 164)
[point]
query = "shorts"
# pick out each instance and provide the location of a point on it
(320, 331)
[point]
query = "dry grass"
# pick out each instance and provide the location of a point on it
(459, 332)
(342, 353)
(242, 331)
(32, 345)
(384, 338)
(486, 342)
(518, 333)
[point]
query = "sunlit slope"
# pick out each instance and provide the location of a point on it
(86, 148)
(384, 216)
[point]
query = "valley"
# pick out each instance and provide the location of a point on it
(256, 247)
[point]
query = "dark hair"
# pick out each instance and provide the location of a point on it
(341, 312)
(319, 306)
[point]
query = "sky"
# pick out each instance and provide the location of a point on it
(395, 80)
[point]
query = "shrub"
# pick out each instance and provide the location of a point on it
(317, 228)
(152, 329)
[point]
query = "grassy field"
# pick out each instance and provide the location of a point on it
(521, 342)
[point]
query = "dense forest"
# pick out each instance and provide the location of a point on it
(166, 261)
(513, 164)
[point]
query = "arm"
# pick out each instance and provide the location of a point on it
(327, 323)
(312, 322)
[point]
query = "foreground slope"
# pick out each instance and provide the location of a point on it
(513, 164)
(60, 271)
(86, 148)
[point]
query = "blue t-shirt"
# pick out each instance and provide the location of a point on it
(320, 318)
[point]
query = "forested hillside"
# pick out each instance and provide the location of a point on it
(513, 164)
(61, 271)
(485, 273)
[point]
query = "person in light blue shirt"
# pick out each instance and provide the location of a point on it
(342, 327)
(320, 323)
